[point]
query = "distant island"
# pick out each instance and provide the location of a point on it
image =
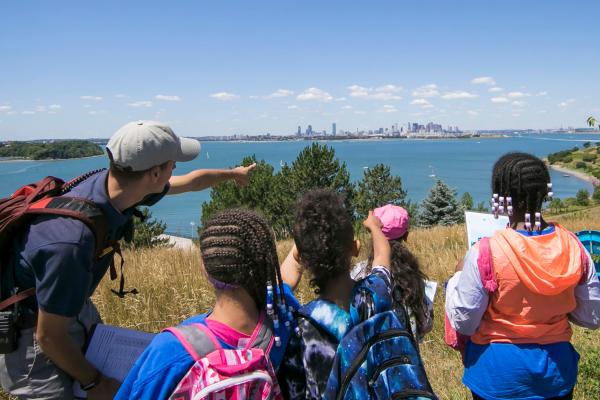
(50, 150)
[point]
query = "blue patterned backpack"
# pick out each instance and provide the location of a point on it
(377, 357)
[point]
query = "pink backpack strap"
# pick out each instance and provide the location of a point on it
(484, 263)
(196, 339)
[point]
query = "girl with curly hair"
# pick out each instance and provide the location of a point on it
(407, 276)
(325, 241)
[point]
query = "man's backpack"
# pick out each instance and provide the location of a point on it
(47, 197)
(219, 373)
(376, 358)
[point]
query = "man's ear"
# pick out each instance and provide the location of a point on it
(154, 172)
(356, 248)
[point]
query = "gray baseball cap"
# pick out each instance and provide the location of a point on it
(144, 144)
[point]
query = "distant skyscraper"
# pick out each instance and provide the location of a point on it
(309, 130)
(299, 131)
(333, 129)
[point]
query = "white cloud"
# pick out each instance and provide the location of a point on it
(566, 103)
(341, 99)
(430, 90)
(166, 97)
(420, 102)
(472, 113)
(142, 103)
(279, 93)
(224, 96)
(314, 94)
(499, 100)
(92, 112)
(120, 96)
(87, 106)
(542, 111)
(11, 113)
(516, 114)
(484, 80)
(519, 103)
(347, 108)
(27, 112)
(55, 107)
(538, 94)
(385, 92)
(293, 107)
(389, 108)
(91, 98)
(495, 89)
(359, 112)
(5, 108)
(518, 95)
(459, 94)
(40, 109)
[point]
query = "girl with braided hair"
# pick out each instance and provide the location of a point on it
(254, 303)
(537, 278)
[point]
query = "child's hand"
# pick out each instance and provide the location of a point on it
(372, 222)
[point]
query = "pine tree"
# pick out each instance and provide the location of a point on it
(147, 232)
(467, 201)
(377, 188)
(441, 207)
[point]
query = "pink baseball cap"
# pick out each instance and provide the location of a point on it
(395, 220)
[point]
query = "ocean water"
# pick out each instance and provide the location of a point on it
(463, 164)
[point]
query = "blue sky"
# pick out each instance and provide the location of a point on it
(78, 69)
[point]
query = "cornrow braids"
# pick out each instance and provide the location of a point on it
(524, 178)
(324, 236)
(238, 248)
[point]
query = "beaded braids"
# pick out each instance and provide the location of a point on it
(238, 250)
(521, 182)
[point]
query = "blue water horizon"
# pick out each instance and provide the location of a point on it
(464, 164)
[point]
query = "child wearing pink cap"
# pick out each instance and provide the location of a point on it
(408, 279)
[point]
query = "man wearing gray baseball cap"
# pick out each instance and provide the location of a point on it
(57, 256)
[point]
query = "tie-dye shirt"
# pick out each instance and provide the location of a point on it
(309, 358)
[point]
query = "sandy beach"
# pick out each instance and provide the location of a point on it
(577, 174)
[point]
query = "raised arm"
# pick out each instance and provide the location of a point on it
(381, 247)
(201, 179)
(291, 270)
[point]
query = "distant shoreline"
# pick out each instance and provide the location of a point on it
(577, 174)
(23, 159)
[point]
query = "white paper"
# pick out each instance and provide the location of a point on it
(481, 225)
(113, 351)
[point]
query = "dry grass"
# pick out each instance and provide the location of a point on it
(172, 288)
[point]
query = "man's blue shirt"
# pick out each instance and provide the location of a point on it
(57, 254)
(161, 366)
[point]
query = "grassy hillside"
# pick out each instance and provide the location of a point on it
(585, 159)
(172, 288)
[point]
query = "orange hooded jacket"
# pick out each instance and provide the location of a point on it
(536, 278)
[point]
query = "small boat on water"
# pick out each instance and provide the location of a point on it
(566, 175)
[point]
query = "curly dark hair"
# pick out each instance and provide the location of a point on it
(523, 177)
(408, 277)
(324, 236)
(238, 248)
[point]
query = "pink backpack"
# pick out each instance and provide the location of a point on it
(220, 374)
(484, 263)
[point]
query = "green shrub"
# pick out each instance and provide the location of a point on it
(580, 164)
(589, 157)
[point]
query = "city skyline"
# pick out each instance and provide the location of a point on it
(225, 68)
